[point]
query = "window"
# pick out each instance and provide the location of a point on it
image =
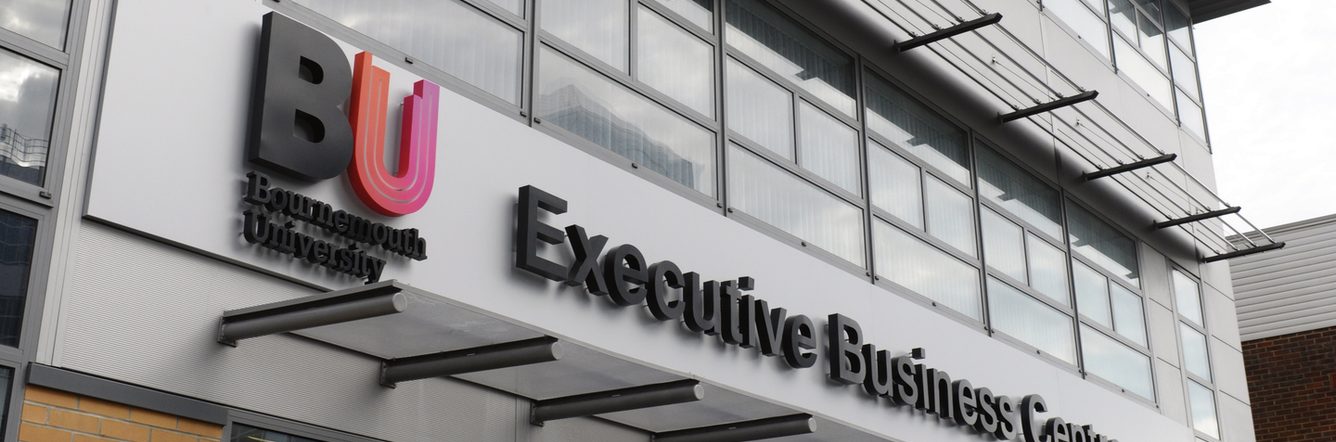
(828, 148)
(18, 235)
(792, 52)
(913, 264)
(1086, 18)
(1031, 321)
(1100, 243)
(1019, 193)
(904, 123)
(43, 21)
(1186, 297)
(27, 109)
(590, 106)
(675, 62)
(1021, 227)
(1195, 344)
(597, 27)
(895, 184)
(448, 35)
(245, 433)
(698, 12)
(1113, 361)
(1202, 402)
(759, 109)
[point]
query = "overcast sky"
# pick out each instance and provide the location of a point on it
(1269, 79)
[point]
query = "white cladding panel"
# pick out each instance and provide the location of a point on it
(169, 164)
(1288, 290)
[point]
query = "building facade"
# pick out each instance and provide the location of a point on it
(608, 220)
(1288, 325)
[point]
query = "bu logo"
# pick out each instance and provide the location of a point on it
(296, 126)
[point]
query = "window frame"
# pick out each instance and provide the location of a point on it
(294, 428)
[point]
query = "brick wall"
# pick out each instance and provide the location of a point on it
(1292, 383)
(56, 416)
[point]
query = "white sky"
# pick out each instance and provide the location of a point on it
(1269, 80)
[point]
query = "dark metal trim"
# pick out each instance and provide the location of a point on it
(781, 426)
(624, 399)
(1244, 252)
(1089, 176)
(1052, 105)
(1197, 217)
(469, 360)
(363, 302)
(122, 393)
(942, 34)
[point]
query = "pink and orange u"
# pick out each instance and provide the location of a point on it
(405, 190)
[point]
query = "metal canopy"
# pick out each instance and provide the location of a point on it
(421, 334)
(1015, 76)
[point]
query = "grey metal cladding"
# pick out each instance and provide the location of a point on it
(1288, 291)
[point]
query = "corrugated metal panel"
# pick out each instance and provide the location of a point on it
(1292, 289)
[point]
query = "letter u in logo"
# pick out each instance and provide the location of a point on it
(407, 189)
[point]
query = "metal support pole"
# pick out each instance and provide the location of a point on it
(336, 307)
(744, 431)
(1197, 217)
(469, 360)
(633, 398)
(1130, 167)
(1055, 104)
(942, 34)
(1244, 252)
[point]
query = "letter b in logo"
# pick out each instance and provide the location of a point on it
(297, 127)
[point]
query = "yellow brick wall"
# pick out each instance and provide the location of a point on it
(56, 416)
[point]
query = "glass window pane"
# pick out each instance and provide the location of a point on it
(581, 101)
(1100, 243)
(1185, 71)
(17, 234)
(1191, 116)
(1143, 73)
(1151, 8)
(1152, 41)
(950, 215)
(1202, 402)
(894, 183)
(1115, 362)
(1124, 17)
(1128, 319)
(675, 62)
(513, 6)
(1025, 318)
(1048, 269)
(1019, 193)
(41, 20)
(1092, 294)
(909, 262)
(597, 27)
(759, 109)
(698, 12)
(796, 54)
(448, 35)
(772, 195)
(1003, 248)
(828, 147)
(1187, 298)
(1195, 358)
(913, 127)
(1176, 22)
(27, 104)
(246, 433)
(1088, 24)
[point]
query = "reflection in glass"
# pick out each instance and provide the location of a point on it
(1186, 297)
(894, 184)
(828, 147)
(447, 35)
(1048, 269)
(1115, 362)
(27, 104)
(913, 127)
(1003, 248)
(909, 262)
(246, 433)
(1190, 114)
(1202, 402)
(41, 20)
(675, 62)
(1195, 356)
(17, 235)
(1179, 27)
(1185, 71)
(1128, 319)
(1019, 193)
(950, 215)
(597, 27)
(1092, 294)
(1152, 41)
(584, 103)
(1099, 242)
(1033, 322)
(778, 198)
(768, 36)
(759, 109)
(1087, 23)
(698, 12)
(1144, 74)
(1123, 17)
